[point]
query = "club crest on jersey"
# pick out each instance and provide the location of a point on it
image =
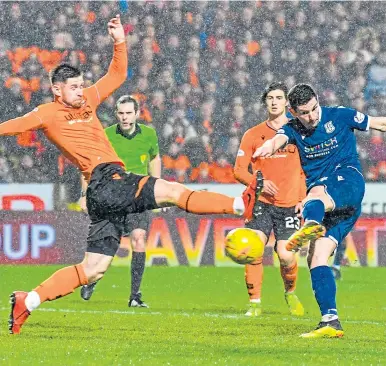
(329, 127)
(359, 117)
(240, 153)
(143, 158)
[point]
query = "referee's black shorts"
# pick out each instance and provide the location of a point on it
(136, 221)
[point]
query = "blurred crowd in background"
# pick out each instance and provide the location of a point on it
(198, 70)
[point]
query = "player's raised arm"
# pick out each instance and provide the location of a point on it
(244, 155)
(377, 123)
(30, 121)
(117, 72)
(271, 146)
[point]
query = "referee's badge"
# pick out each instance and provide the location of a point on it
(143, 158)
(329, 127)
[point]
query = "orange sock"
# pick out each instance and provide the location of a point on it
(205, 202)
(254, 278)
(289, 275)
(62, 283)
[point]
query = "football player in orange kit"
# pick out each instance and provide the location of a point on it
(71, 123)
(278, 205)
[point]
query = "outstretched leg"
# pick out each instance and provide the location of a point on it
(61, 283)
(203, 202)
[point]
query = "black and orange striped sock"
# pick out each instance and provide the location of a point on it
(205, 202)
(289, 275)
(62, 283)
(254, 279)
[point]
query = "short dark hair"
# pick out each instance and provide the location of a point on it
(276, 85)
(63, 72)
(301, 94)
(127, 99)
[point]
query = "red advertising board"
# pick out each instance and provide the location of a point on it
(27, 197)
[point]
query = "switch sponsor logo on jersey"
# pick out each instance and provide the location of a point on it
(321, 149)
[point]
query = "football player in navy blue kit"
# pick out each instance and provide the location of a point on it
(335, 187)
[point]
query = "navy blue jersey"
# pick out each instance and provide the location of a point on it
(332, 144)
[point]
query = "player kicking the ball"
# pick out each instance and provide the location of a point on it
(279, 203)
(335, 185)
(71, 123)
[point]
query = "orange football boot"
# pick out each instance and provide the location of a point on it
(19, 312)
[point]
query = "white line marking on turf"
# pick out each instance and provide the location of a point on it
(188, 315)
(50, 310)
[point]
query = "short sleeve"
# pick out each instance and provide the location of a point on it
(354, 119)
(154, 150)
(288, 132)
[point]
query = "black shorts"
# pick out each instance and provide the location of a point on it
(110, 198)
(282, 220)
(136, 221)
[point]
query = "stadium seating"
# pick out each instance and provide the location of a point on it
(197, 68)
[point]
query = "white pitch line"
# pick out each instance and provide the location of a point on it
(91, 311)
(188, 315)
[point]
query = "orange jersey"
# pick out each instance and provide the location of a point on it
(283, 168)
(77, 132)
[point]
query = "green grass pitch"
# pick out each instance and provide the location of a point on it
(196, 318)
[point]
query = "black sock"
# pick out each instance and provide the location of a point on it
(137, 269)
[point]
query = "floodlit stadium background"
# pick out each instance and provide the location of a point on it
(198, 69)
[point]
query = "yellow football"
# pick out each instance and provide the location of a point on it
(243, 245)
